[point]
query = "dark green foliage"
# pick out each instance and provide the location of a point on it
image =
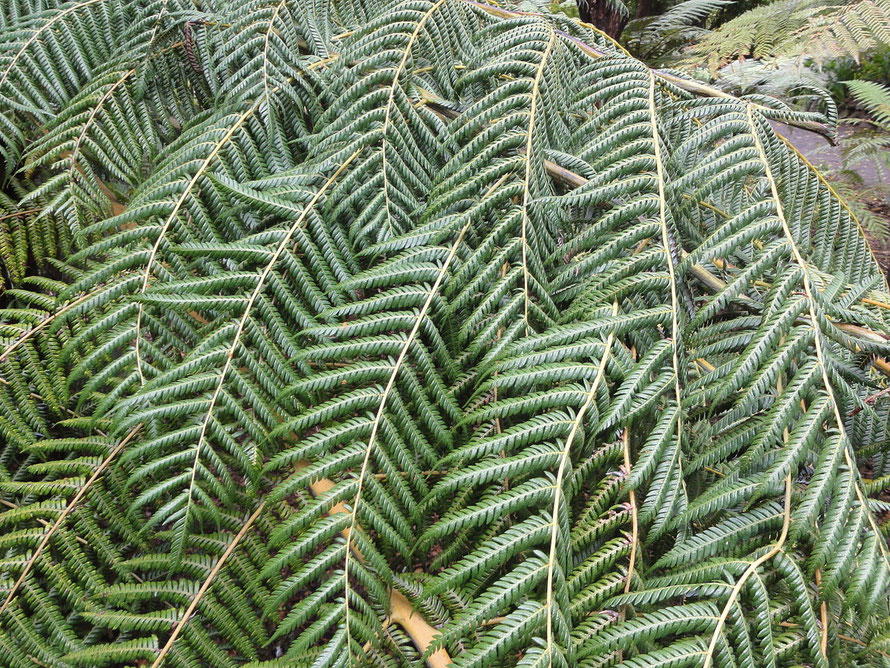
(317, 310)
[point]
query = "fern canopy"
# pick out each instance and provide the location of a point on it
(372, 333)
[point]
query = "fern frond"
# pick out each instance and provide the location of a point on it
(423, 331)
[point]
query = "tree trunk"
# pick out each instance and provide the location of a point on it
(644, 8)
(604, 15)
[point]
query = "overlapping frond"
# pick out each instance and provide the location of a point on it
(391, 333)
(770, 427)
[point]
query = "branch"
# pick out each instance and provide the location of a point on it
(401, 612)
(417, 628)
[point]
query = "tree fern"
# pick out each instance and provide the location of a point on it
(819, 31)
(392, 333)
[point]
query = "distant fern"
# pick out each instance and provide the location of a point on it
(816, 31)
(380, 333)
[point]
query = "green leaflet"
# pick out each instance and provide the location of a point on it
(386, 332)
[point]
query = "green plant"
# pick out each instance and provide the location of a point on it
(874, 68)
(810, 30)
(866, 143)
(422, 332)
